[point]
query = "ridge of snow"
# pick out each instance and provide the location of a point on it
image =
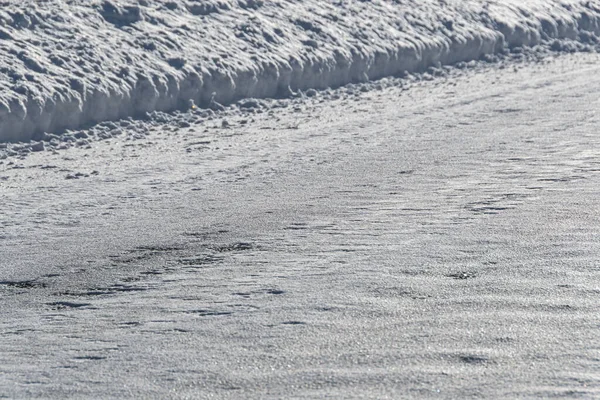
(65, 64)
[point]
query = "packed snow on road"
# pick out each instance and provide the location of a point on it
(299, 199)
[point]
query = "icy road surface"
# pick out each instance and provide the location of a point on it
(433, 241)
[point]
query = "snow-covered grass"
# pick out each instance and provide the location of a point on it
(65, 64)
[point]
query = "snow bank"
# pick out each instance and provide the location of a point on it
(69, 63)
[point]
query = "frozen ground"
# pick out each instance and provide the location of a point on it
(422, 239)
(68, 64)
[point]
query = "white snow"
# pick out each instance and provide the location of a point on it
(65, 64)
(431, 240)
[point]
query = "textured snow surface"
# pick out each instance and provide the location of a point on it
(67, 64)
(437, 240)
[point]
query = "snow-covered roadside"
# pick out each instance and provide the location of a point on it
(67, 64)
